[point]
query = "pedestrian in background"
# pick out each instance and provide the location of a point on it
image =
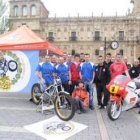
(126, 62)
(134, 71)
(82, 57)
(65, 57)
(113, 59)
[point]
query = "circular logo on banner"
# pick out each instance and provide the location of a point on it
(15, 71)
(58, 128)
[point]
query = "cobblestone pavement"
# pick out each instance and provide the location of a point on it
(17, 111)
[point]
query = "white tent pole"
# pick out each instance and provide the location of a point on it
(47, 52)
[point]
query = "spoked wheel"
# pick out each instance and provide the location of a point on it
(64, 107)
(114, 111)
(36, 93)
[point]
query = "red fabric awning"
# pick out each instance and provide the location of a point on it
(23, 38)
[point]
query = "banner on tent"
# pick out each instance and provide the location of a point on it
(17, 70)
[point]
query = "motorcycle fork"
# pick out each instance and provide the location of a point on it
(118, 99)
(119, 102)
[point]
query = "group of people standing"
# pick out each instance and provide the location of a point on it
(79, 76)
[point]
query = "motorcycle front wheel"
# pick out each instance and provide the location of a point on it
(36, 93)
(113, 111)
(64, 107)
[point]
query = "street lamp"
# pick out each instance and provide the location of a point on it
(113, 45)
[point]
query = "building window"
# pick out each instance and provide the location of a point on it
(16, 11)
(33, 10)
(73, 36)
(73, 52)
(121, 52)
(24, 11)
(121, 35)
(97, 35)
(97, 52)
(50, 36)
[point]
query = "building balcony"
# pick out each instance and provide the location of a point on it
(73, 38)
(51, 39)
(97, 38)
(121, 38)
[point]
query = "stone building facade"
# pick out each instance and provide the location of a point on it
(81, 34)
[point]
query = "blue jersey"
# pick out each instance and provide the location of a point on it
(87, 70)
(67, 63)
(47, 70)
(62, 72)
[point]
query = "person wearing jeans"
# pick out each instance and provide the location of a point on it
(87, 74)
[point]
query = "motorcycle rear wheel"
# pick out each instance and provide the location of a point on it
(64, 107)
(113, 111)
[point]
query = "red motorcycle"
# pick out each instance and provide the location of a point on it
(124, 95)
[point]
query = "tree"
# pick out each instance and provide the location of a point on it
(4, 16)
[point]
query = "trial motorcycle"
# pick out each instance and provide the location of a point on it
(62, 101)
(125, 94)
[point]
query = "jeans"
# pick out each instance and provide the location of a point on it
(89, 89)
(79, 104)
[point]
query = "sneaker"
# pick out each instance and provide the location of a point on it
(91, 107)
(78, 111)
(99, 106)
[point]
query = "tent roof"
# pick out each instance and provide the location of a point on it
(23, 38)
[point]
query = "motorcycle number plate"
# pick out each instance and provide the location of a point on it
(114, 89)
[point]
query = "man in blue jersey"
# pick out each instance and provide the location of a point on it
(69, 58)
(45, 71)
(87, 74)
(63, 71)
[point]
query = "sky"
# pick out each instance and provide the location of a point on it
(62, 8)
